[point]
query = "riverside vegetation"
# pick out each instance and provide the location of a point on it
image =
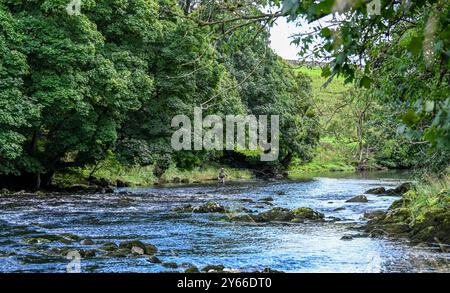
(86, 100)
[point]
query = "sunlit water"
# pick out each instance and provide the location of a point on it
(201, 239)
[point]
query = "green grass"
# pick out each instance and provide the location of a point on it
(143, 176)
(332, 154)
(431, 195)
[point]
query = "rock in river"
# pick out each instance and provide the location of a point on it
(376, 190)
(359, 198)
(279, 214)
(209, 207)
(148, 249)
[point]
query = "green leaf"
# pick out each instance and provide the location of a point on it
(365, 82)
(415, 46)
(325, 32)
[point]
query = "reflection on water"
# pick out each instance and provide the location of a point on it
(202, 239)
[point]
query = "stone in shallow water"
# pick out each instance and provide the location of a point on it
(279, 214)
(210, 207)
(358, 198)
(154, 259)
(87, 241)
(170, 265)
(213, 268)
(109, 246)
(191, 270)
(147, 248)
(347, 237)
(376, 190)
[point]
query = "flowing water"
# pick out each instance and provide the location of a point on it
(203, 239)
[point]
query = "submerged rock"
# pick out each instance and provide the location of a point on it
(358, 198)
(338, 209)
(347, 237)
(65, 239)
(269, 198)
(154, 259)
(170, 265)
(117, 253)
(148, 249)
(271, 271)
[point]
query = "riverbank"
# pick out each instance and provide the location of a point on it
(422, 215)
(120, 176)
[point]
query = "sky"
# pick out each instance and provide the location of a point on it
(280, 41)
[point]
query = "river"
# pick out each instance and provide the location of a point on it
(207, 239)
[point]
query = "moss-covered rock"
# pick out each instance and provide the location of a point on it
(213, 269)
(377, 214)
(399, 190)
(109, 246)
(307, 214)
(279, 214)
(209, 207)
(376, 190)
(148, 249)
(192, 270)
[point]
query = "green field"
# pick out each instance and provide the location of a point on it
(333, 154)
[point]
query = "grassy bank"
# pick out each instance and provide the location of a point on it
(422, 215)
(332, 154)
(143, 176)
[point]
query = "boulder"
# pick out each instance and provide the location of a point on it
(170, 265)
(376, 190)
(109, 246)
(279, 214)
(148, 249)
(358, 198)
(210, 207)
(87, 241)
(192, 270)
(213, 269)
(307, 214)
(399, 190)
(87, 253)
(377, 214)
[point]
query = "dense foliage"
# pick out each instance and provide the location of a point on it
(76, 88)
